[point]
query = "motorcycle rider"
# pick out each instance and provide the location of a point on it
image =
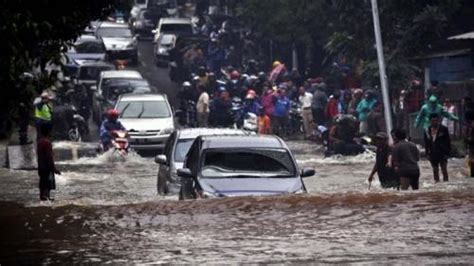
(220, 109)
(109, 125)
(342, 136)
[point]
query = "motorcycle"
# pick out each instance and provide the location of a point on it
(119, 143)
(250, 122)
(78, 127)
(296, 120)
(187, 114)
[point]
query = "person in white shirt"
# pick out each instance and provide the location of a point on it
(305, 98)
(202, 107)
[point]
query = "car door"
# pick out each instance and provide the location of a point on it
(191, 162)
(164, 174)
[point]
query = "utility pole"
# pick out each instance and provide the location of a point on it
(383, 75)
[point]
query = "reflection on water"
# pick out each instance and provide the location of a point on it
(108, 212)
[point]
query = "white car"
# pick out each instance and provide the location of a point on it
(173, 26)
(119, 41)
(148, 119)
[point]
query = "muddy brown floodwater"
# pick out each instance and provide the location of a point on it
(109, 213)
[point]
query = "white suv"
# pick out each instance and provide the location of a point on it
(148, 119)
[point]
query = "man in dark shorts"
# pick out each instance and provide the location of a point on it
(387, 177)
(405, 157)
(46, 167)
(438, 147)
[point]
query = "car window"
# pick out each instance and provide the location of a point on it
(113, 88)
(182, 148)
(143, 109)
(89, 48)
(114, 32)
(184, 28)
(221, 163)
(92, 72)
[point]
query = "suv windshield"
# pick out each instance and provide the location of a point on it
(114, 32)
(91, 47)
(92, 72)
(113, 88)
(183, 28)
(143, 109)
(182, 148)
(243, 163)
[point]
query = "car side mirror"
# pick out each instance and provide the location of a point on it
(93, 88)
(160, 159)
(100, 97)
(307, 172)
(185, 173)
(154, 31)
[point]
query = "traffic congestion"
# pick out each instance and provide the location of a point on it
(167, 135)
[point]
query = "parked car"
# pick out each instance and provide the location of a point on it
(162, 48)
(173, 26)
(110, 83)
(119, 41)
(87, 48)
(176, 149)
(148, 119)
(146, 21)
(228, 166)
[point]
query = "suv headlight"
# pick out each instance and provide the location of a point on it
(167, 131)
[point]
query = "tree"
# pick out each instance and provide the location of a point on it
(33, 33)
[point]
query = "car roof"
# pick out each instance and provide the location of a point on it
(113, 25)
(192, 133)
(176, 21)
(132, 74)
(252, 141)
(142, 97)
(97, 63)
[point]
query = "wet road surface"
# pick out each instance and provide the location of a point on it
(108, 212)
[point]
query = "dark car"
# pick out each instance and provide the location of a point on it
(177, 147)
(227, 166)
(146, 21)
(89, 72)
(112, 89)
(87, 48)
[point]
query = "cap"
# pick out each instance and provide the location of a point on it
(433, 99)
(45, 95)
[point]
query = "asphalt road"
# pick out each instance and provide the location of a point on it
(158, 77)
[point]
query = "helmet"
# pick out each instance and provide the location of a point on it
(276, 63)
(186, 84)
(235, 74)
(45, 95)
(221, 89)
(433, 99)
(251, 94)
(113, 114)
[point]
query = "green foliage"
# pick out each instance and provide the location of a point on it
(33, 33)
(345, 29)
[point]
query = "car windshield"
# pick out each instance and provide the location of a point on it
(113, 88)
(167, 39)
(184, 28)
(182, 148)
(92, 72)
(89, 48)
(143, 109)
(114, 32)
(243, 163)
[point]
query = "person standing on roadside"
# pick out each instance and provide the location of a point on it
(432, 107)
(469, 141)
(43, 113)
(305, 98)
(405, 158)
(46, 167)
(387, 177)
(438, 147)
(202, 107)
(281, 113)
(318, 106)
(364, 108)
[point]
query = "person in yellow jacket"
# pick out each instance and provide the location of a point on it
(43, 113)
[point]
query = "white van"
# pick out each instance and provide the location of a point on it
(175, 26)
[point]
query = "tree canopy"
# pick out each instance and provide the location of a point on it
(344, 29)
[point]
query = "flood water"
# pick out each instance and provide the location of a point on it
(108, 213)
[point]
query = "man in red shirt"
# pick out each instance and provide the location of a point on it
(46, 167)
